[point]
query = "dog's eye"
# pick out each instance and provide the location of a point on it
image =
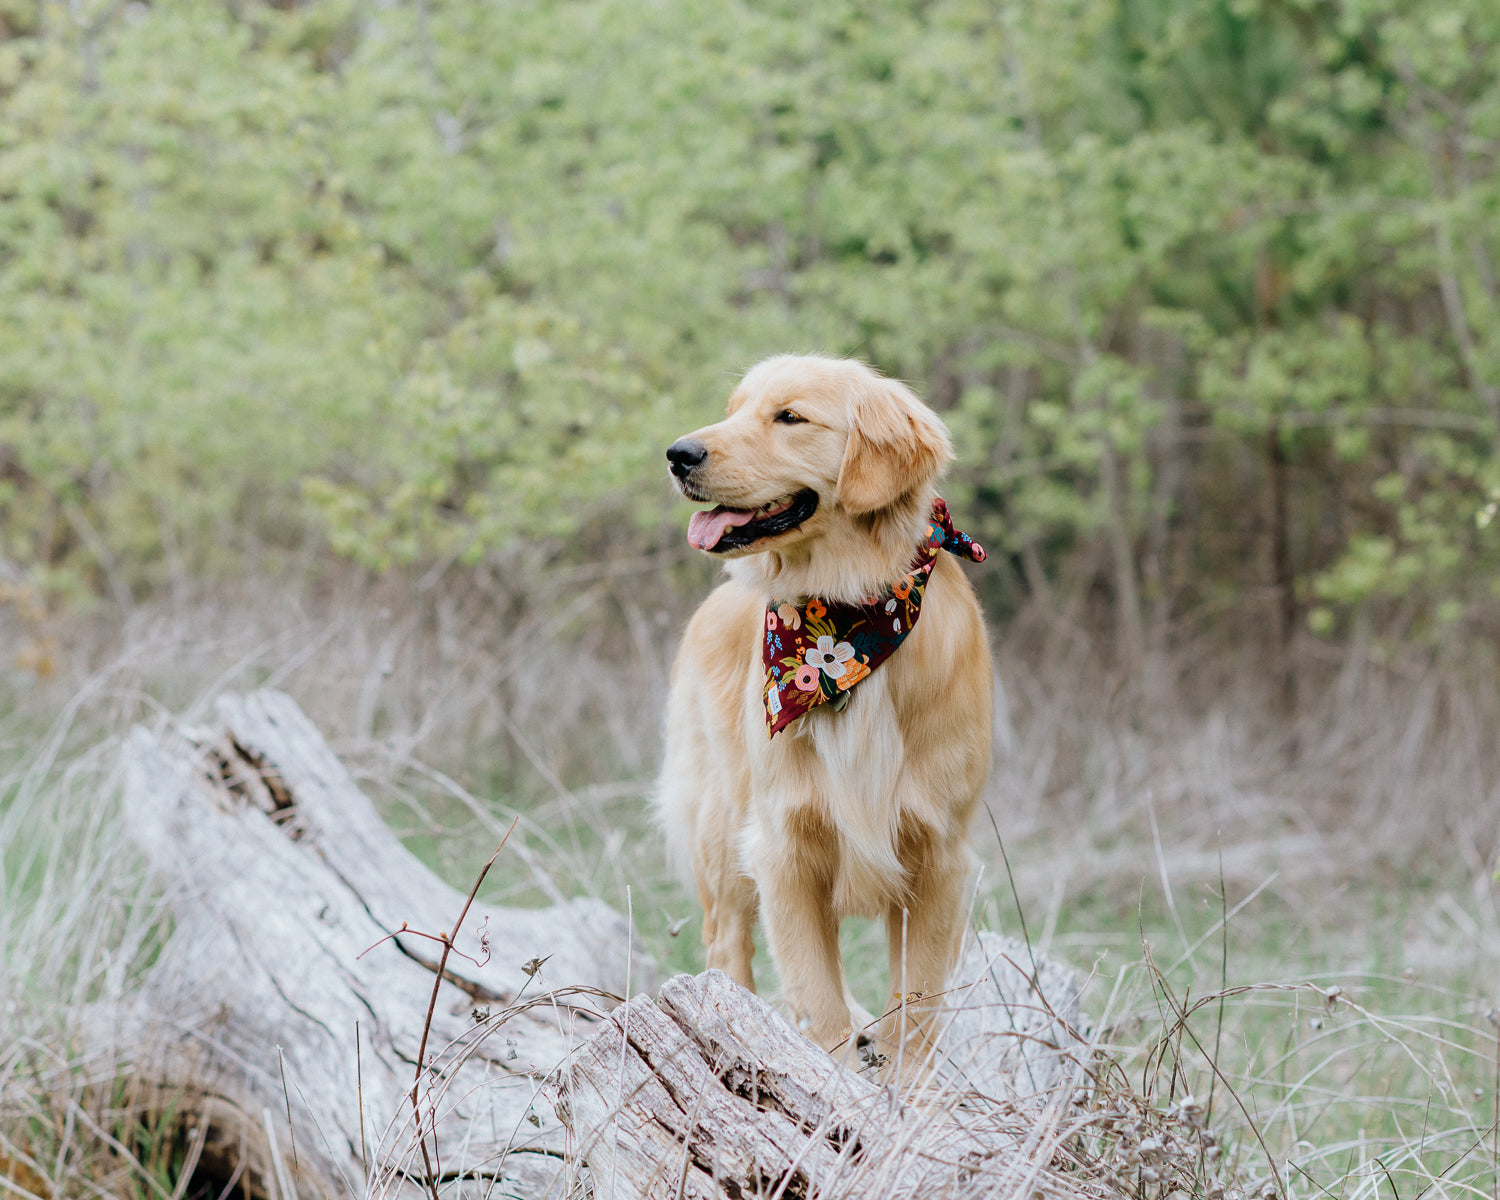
(787, 417)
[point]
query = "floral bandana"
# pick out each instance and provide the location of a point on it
(815, 651)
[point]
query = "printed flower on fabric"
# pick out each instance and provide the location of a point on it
(816, 609)
(770, 621)
(789, 615)
(853, 673)
(901, 589)
(807, 677)
(828, 657)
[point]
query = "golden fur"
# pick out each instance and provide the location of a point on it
(864, 811)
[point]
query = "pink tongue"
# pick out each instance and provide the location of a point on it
(706, 528)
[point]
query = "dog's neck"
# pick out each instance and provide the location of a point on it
(843, 574)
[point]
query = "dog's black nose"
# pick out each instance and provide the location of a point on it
(685, 454)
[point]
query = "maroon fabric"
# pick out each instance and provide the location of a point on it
(815, 651)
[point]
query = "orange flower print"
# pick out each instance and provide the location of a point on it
(789, 615)
(853, 673)
(902, 587)
(816, 610)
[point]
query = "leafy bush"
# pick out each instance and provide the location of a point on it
(1205, 287)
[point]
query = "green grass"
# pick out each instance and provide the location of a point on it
(1329, 1061)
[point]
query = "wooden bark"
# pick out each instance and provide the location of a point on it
(279, 878)
(706, 1093)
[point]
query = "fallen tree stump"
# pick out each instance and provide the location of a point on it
(285, 1013)
(269, 1012)
(705, 1093)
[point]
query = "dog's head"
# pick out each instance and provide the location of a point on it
(824, 465)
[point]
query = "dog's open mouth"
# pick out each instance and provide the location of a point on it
(720, 529)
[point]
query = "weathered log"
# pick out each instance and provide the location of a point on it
(282, 1007)
(706, 1093)
(268, 1015)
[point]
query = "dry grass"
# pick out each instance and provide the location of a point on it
(1217, 869)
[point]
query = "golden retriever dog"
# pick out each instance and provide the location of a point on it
(822, 477)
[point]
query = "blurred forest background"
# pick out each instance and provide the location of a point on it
(1206, 290)
(340, 341)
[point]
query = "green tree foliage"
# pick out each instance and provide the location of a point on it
(1204, 287)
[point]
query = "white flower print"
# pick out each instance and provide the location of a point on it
(828, 657)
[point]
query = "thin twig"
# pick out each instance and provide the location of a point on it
(431, 937)
(437, 983)
(287, 1096)
(359, 1083)
(1208, 1110)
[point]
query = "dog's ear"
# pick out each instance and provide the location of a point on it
(896, 443)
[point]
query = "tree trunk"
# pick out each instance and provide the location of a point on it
(1284, 577)
(284, 1015)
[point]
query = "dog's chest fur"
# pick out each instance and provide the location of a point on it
(832, 782)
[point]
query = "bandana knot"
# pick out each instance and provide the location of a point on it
(816, 650)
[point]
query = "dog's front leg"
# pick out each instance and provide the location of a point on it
(729, 924)
(796, 881)
(925, 932)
